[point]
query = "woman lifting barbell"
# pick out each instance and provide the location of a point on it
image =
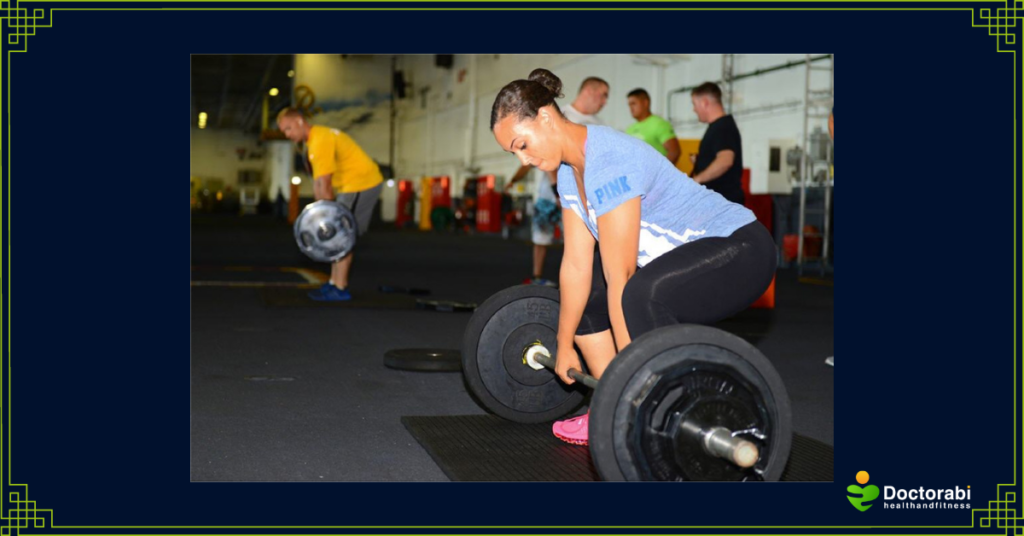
(669, 250)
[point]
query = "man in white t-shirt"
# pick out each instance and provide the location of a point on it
(592, 97)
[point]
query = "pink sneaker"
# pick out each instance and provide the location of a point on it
(573, 430)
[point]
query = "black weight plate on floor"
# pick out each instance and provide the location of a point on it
(694, 373)
(492, 356)
(423, 360)
(445, 306)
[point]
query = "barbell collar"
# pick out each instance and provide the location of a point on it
(539, 354)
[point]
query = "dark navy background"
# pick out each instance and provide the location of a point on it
(98, 251)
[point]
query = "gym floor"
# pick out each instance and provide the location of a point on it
(284, 389)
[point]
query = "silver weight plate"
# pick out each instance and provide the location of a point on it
(326, 231)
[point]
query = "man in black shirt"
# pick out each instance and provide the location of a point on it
(719, 164)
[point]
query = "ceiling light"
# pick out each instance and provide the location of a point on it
(273, 92)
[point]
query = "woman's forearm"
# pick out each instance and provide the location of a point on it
(574, 291)
(616, 315)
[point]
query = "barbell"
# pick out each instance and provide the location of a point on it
(326, 231)
(679, 403)
(716, 440)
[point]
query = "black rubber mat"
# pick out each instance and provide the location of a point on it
(810, 460)
(298, 297)
(488, 448)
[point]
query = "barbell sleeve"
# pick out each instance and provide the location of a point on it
(719, 442)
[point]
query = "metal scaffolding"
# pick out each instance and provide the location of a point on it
(817, 156)
(728, 71)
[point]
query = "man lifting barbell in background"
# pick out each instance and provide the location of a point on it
(342, 172)
(546, 217)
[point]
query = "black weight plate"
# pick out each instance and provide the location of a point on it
(423, 360)
(445, 306)
(689, 372)
(492, 356)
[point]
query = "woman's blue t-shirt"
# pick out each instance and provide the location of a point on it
(674, 209)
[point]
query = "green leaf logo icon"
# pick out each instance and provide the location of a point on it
(867, 494)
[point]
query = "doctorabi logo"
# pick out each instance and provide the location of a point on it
(858, 495)
(919, 498)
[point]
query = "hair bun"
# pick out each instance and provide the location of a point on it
(547, 79)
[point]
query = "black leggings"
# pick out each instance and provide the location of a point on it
(700, 282)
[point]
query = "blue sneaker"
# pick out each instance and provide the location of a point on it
(543, 282)
(318, 294)
(332, 294)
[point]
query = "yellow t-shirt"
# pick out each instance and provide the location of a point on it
(334, 153)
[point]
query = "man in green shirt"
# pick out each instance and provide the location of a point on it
(654, 130)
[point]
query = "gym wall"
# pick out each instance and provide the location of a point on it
(432, 123)
(214, 155)
(782, 91)
(433, 135)
(352, 93)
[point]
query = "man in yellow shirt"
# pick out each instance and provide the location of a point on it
(342, 172)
